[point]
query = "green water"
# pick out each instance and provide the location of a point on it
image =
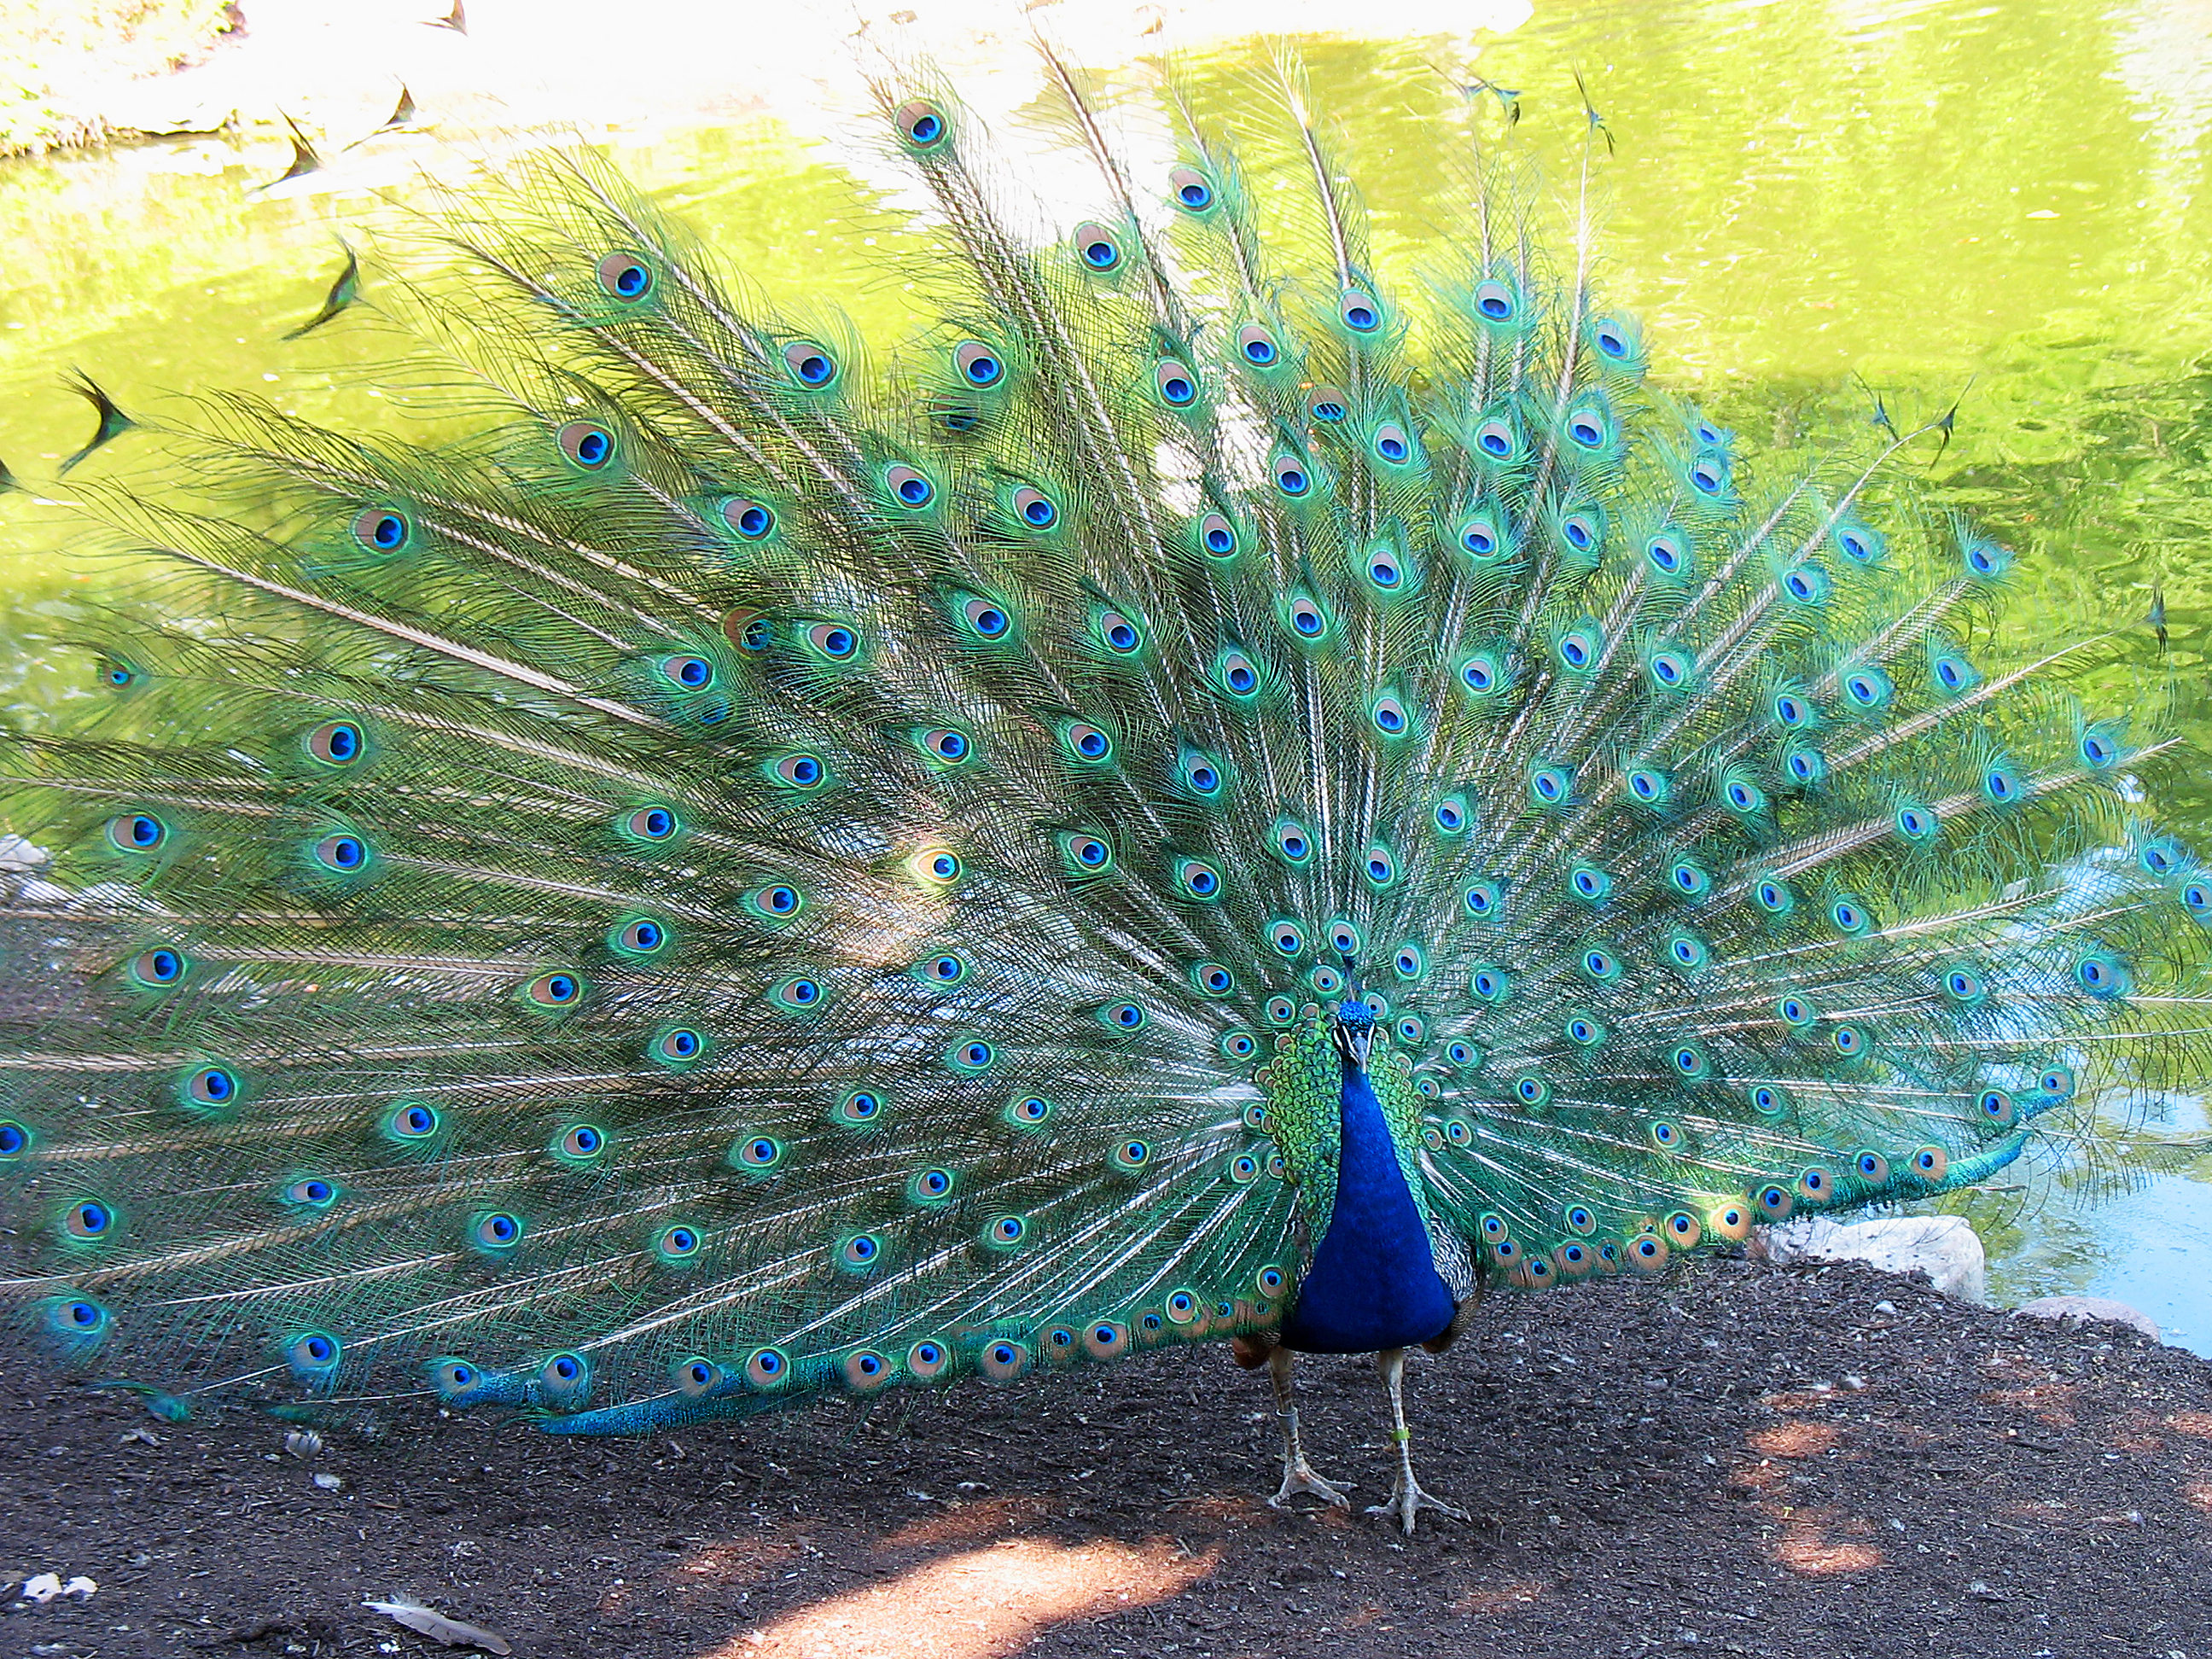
(2004, 204)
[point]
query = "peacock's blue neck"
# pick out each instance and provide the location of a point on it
(1374, 1282)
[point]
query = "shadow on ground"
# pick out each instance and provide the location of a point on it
(1734, 1458)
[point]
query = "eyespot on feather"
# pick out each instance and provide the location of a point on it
(624, 276)
(588, 445)
(921, 125)
(383, 528)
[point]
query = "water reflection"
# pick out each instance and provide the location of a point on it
(2001, 204)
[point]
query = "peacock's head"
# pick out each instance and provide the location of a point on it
(1355, 1031)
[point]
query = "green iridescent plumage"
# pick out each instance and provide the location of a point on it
(776, 864)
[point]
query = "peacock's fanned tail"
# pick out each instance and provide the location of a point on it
(776, 866)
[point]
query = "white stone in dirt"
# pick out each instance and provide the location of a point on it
(2078, 1310)
(1944, 1247)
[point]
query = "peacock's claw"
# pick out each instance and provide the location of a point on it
(1406, 1499)
(1300, 1478)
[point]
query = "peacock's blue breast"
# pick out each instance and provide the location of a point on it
(1374, 1282)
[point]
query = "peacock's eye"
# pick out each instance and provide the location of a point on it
(625, 277)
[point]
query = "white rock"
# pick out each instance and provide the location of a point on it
(2079, 1310)
(1944, 1247)
(44, 1588)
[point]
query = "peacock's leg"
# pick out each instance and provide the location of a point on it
(1406, 1496)
(1297, 1473)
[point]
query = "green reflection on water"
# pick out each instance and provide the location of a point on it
(2002, 203)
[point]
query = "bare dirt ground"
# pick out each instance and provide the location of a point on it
(1734, 1458)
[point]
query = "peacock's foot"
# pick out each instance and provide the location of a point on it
(1406, 1499)
(1300, 1478)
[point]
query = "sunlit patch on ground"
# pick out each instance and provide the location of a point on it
(992, 1517)
(1508, 1597)
(1797, 1440)
(1815, 1543)
(977, 1605)
(1818, 1545)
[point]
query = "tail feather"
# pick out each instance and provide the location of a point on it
(769, 868)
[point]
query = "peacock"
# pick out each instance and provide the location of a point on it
(1216, 793)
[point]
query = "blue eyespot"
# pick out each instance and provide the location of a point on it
(1985, 559)
(1120, 635)
(1097, 246)
(798, 992)
(978, 364)
(758, 1153)
(555, 990)
(159, 966)
(1480, 538)
(136, 832)
(1257, 346)
(678, 1045)
(910, 486)
(1588, 428)
(1089, 742)
(1291, 477)
(1088, 852)
(921, 124)
(810, 364)
(211, 1085)
(931, 1185)
(625, 277)
(1868, 688)
(311, 1354)
(382, 529)
(588, 445)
